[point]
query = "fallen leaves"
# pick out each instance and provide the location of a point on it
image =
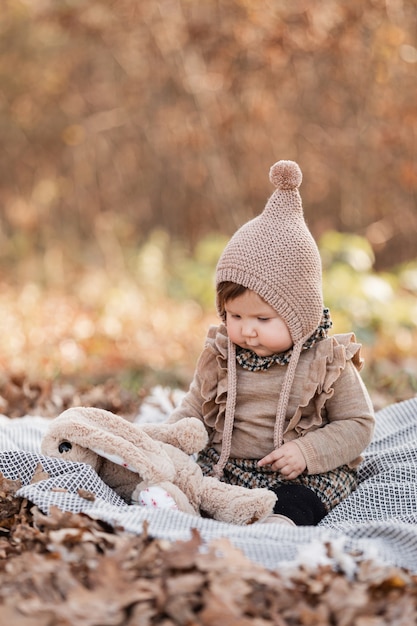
(69, 570)
(39, 474)
(20, 396)
(9, 506)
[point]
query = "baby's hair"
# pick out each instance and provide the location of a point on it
(227, 291)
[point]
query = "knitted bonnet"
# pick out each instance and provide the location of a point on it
(275, 256)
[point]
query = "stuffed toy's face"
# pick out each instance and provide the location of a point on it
(67, 451)
(119, 478)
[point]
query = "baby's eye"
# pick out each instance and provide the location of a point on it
(263, 319)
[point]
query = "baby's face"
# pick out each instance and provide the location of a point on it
(253, 324)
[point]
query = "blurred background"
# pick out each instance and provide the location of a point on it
(136, 138)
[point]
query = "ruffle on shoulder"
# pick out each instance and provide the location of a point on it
(352, 347)
(322, 371)
(213, 369)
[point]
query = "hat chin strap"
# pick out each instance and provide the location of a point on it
(284, 395)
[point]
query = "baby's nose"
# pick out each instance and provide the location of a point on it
(248, 329)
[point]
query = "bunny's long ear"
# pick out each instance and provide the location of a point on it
(111, 437)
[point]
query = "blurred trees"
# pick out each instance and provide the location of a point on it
(119, 117)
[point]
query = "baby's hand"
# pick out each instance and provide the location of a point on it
(288, 460)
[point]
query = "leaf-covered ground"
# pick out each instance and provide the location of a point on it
(70, 570)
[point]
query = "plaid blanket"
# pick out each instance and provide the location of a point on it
(378, 520)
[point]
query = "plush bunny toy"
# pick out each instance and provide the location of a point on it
(150, 464)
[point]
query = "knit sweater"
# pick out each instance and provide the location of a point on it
(329, 414)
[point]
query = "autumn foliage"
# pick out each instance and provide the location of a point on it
(136, 136)
(121, 117)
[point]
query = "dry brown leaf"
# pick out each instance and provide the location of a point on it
(86, 495)
(39, 474)
(183, 554)
(8, 487)
(9, 505)
(185, 583)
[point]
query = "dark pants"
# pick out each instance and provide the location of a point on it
(300, 504)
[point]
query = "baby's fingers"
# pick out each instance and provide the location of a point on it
(269, 458)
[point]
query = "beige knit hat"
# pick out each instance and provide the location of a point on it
(275, 256)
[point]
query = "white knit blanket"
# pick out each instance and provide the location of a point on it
(379, 519)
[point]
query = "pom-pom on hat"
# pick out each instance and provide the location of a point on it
(275, 256)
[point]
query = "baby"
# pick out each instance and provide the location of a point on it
(282, 401)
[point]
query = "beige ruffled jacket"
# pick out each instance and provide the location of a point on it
(329, 415)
